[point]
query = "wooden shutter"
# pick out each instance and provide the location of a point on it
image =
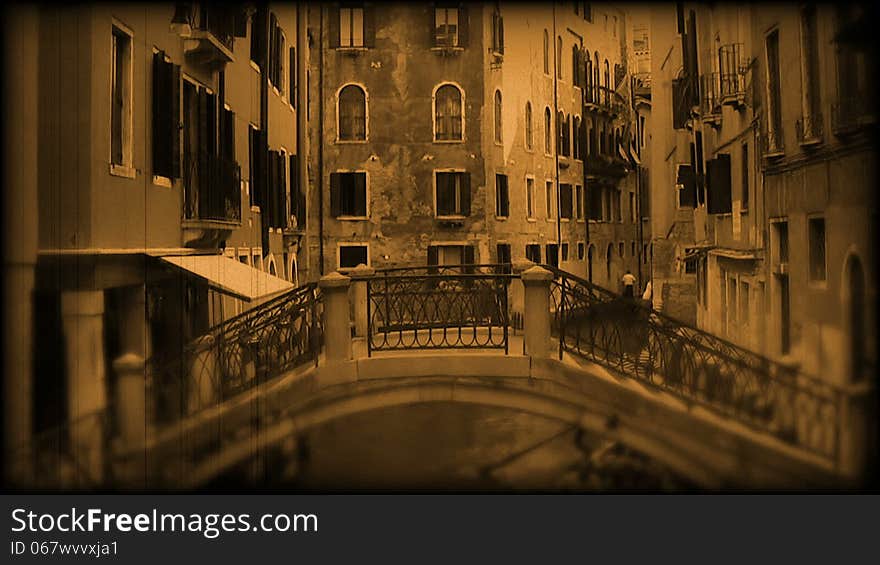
(462, 25)
(433, 259)
(718, 180)
(687, 197)
(468, 256)
(360, 193)
(161, 165)
(334, 25)
(292, 70)
(504, 195)
(175, 121)
(335, 195)
(369, 25)
(465, 186)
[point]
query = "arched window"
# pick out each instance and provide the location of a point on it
(546, 53)
(607, 83)
(528, 125)
(559, 57)
(575, 67)
(447, 113)
(560, 132)
(352, 113)
(596, 76)
(498, 116)
(576, 137)
(588, 76)
(548, 131)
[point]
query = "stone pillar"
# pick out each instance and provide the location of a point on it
(517, 292)
(131, 416)
(337, 331)
(203, 388)
(536, 282)
(855, 419)
(83, 320)
(20, 226)
(360, 275)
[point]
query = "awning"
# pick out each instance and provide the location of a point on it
(229, 276)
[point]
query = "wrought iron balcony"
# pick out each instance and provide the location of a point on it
(850, 115)
(208, 31)
(212, 188)
(733, 71)
(809, 129)
(605, 100)
(710, 103)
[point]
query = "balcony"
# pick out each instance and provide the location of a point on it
(772, 143)
(809, 130)
(208, 31)
(850, 115)
(710, 103)
(212, 189)
(733, 74)
(604, 100)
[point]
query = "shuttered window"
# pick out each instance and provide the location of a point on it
(348, 195)
(718, 184)
(502, 196)
(453, 193)
(565, 201)
(352, 111)
(166, 117)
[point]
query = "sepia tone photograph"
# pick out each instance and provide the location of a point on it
(555, 246)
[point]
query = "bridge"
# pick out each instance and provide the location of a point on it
(531, 338)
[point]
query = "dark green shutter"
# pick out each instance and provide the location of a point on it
(465, 186)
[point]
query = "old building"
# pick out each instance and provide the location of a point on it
(456, 133)
(770, 151)
(164, 156)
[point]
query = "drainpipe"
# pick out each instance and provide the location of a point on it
(556, 152)
(321, 141)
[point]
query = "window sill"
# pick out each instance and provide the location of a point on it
(255, 66)
(123, 171)
(352, 49)
(501, 218)
(352, 218)
(532, 220)
(350, 141)
(255, 209)
(457, 218)
(449, 141)
(565, 220)
(159, 180)
(447, 49)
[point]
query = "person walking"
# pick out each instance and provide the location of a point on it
(629, 282)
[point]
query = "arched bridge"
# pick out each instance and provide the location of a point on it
(714, 413)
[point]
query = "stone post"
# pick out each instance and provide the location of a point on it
(517, 292)
(855, 434)
(83, 320)
(131, 416)
(536, 282)
(201, 388)
(337, 331)
(360, 275)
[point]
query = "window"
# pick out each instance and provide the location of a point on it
(563, 250)
(497, 32)
(352, 112)
(810, 70)
(546, 53)
(580, 251)
(502, 201)
(497, 116)
(575, 137)
(549, 191)
(632, 249)
(348, 195)
(528, 125)
(774, 98)
(350, 256)
(449, 25)
(575, 65)
(565, 201)
(530, 197)
(780, 245)
(448, 120)
(551, 252)
(351, 26)
(258, 37)
(453, 193)
(579, 201)
(564, 134)
(533, 253)
(817, 249)
(620, 248)
(276, 53)
(745, 177)
(559, 58)
(120, 112)
(632, 208)
(718, 183)
(548, 133)
(450, 255)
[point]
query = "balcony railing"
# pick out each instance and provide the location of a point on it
(733, 71)
(209, 30)
(212, 188)
(809, 129)
(851, 114)
(710, 103)
(604, 99)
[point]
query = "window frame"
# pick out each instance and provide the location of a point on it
(341, 244)
(434, 112)
(126, 168)
(498, 116)
(350, 217)
(352, 9)
(817, 282)
(363, 89)
(506, 185)
(530, 129)
(437, 215)
(530, 198)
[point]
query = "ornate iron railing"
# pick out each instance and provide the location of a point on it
(464, 306)
(629, 338)
(232, 357)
